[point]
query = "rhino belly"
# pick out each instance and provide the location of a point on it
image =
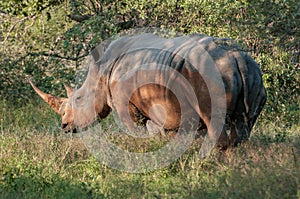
(158, 104)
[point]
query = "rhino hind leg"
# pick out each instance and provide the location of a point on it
(239, 132)
(220, 139)
(233, 136)
(223, 141)
(242, 123)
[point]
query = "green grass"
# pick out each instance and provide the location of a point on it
(37, 161)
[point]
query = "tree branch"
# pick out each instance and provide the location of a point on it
(94, 6)
(57, 56)
(2, 12)
(14, 25)
(75, 14)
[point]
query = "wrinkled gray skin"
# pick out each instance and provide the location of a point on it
(244, 95)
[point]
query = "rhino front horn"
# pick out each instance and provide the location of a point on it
(54, 102)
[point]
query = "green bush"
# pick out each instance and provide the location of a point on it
(53, 46)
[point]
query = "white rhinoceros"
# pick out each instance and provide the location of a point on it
(145, 77)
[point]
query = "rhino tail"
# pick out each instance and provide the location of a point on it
(243, 70)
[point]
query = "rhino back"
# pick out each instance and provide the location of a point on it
(191, 56)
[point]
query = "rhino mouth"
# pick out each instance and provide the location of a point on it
(73, 131)
(68, 128)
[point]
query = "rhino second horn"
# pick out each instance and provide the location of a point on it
(69, 90)
(54, 102)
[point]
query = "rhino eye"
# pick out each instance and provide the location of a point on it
(78, 99)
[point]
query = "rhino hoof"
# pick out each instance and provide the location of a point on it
(153, 128)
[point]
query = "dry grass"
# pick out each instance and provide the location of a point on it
(39, 162)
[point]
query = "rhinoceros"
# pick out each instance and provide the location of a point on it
(148, 78)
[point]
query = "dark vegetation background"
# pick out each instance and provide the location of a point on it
(48, 41)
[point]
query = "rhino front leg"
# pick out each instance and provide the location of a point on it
(153, 128)
(136, 115)
(141, 120)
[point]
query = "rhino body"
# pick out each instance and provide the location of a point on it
(145, 77)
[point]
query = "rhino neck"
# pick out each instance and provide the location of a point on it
(102, 98)
(95, 85)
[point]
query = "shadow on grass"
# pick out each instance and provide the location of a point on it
(37, 187)
(250, 184)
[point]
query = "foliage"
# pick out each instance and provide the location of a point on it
(26, 8)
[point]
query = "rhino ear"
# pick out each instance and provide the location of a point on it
(54, 102)
(69, 90)
(97, 52)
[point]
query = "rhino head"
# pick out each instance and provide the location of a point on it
(82, 106)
